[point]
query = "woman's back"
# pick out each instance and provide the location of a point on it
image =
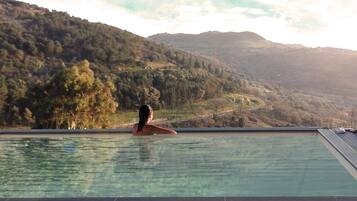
(146, 114)
(151, 130)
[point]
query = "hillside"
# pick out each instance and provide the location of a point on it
(328, 71)
(55, 68)
(36, 43)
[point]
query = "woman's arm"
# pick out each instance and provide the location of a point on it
(134, 130)
(161, 130)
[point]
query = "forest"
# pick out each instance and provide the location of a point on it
(47, 58)
(59, 71)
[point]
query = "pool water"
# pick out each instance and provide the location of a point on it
(180, 166)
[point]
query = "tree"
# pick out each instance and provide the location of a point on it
(150, 96)
(73, 98)
(197, 64)
(58, 48)
(3, 96)
(3, 54)
(353, 117)
(241, 122)
(3, 92)
(12, 109)
(28, 116)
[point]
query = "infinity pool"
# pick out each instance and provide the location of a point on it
(186, 165)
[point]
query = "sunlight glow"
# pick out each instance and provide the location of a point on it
(308, 22)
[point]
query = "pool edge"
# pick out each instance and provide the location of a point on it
(187, 199)
(180, 130)
(344, 149)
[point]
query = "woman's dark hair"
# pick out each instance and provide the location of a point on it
(144, 113)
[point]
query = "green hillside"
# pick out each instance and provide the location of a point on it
(301, 86)
(36, 44)
(58, 71)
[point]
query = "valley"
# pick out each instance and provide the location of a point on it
(52, 65)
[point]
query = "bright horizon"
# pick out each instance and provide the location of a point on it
(313, 23)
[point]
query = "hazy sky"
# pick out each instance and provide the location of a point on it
(309, 22)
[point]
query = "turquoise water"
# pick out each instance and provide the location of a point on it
(180, 166)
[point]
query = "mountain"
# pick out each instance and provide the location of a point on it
(50, 58)
(36, 43)
(328, 71)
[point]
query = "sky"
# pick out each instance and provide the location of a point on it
(313, 23)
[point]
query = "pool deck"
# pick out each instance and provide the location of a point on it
(342, 143)
(350, 139)
(344, 146)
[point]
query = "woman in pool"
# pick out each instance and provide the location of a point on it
(146, 114)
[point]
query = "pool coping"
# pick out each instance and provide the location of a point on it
(187, 199)
(180, 130)
(344, 149)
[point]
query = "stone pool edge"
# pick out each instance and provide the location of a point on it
(180, 130)
(187, 199)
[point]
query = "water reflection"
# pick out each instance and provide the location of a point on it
(49, 156)
(131, 166)
(70, 146)
(146, 148)
(140, 153)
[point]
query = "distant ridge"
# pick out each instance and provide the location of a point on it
(330, 71)
(246, 35)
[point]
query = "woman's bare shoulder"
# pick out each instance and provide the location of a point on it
(134, 130)
(146, 130)
(159, 129)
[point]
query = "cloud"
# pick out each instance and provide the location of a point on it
(308, 22)
(319, 22)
